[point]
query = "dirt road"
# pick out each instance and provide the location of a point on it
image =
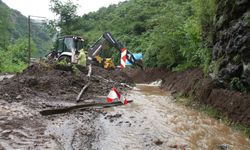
(154, 121)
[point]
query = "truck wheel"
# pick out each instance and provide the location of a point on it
(64, 59)
(51, 56)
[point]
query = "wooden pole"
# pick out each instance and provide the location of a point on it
(29, 23)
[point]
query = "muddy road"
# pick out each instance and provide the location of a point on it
(155, 121)
(152, 121)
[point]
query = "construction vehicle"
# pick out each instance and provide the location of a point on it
(67, 49)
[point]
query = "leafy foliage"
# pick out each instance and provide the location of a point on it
(169, 33)
(5, 24)
(236, 84)
(67, 14)
(16, 56)
(13, 39)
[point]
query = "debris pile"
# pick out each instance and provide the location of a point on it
(55, 82)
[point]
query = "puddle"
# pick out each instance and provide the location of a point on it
(154, 121)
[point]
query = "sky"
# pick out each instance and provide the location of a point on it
(41, 7)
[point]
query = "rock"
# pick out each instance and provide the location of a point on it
(173, 146)
(158, 142)
(231, 41)
(222, 147)
(19, 97)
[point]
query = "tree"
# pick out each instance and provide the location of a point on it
(15, 57)
(67, 14)
(4, 25)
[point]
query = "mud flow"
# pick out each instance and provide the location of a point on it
(47, 86)
(154, 121)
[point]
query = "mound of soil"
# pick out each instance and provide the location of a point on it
(55, 82)
(191, 82)
(147, 75)
(233, 104)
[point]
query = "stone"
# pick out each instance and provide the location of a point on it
(19, 97)
(158, 142)
(231, 41)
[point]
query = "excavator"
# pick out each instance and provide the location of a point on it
(67, 49)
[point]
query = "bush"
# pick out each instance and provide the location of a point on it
(15, 58)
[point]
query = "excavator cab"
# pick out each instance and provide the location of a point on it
(66, 48)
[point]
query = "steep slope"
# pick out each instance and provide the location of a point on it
(162, 30)
(231, 52)
(13, 25)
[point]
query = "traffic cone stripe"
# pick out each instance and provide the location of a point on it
(117, 93)
(125, 102)
(114, 94)
(109, 100)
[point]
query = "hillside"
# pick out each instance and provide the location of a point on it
(15, 26)
(179, 34)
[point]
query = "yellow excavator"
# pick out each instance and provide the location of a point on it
(67, 48)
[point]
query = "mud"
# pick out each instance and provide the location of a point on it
(53, 82)
(193, 83)
(22, 127)
(155, 121)
(147, 75)
(152, 121)
(45, 86)
(232, 104)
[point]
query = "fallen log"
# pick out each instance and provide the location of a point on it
(81, 106)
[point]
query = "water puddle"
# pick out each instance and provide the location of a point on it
(154, 121)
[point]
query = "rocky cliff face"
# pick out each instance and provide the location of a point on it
(231, 51)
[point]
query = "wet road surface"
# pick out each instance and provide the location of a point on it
(154, 121)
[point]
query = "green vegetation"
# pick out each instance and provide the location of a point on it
(13, 39)
(67, 15)
(235, 84)
(169, 33)
(15, 56)
(174, 34)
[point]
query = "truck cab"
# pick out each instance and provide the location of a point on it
(66, 48)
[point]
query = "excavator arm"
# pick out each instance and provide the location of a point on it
(108, 38)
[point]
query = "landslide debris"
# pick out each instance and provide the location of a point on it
(47, 86)
(56, 82)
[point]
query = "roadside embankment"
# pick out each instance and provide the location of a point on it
(192, 83)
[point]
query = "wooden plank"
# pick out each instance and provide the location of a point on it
(80, 106)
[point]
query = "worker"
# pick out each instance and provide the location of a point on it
(81, 59)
